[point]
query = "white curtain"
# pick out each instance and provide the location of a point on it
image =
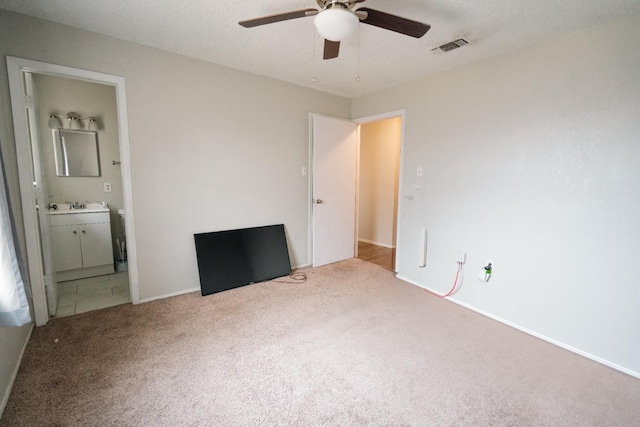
(14, 306)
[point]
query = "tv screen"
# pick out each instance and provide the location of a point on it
(233, 258)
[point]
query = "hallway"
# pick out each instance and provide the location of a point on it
(375, 254)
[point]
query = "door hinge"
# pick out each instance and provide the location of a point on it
(28, 101)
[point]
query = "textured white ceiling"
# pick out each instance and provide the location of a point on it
(292, 50)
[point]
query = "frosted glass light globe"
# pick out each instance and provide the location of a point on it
(336, 24)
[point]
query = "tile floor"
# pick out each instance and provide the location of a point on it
(92, 293)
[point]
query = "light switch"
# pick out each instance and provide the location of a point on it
(107, 187)
(304, 171)
(419, 171)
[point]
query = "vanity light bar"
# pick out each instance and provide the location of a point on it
(75, 121)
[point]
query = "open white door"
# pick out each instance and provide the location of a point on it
(334, 189)
(41, 196)
(23, 120)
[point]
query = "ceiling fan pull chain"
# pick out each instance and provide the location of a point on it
(314, 60)
(358, 70)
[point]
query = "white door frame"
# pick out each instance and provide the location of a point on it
(16, 67)
(360, 121)
(377, 118)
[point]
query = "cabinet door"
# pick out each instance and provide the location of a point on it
(96, 244)
(65, 242)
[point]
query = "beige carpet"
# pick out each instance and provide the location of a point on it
(352, 346)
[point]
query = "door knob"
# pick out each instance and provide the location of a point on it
(318, 201)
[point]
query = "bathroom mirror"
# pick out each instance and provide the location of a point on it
(76, 152)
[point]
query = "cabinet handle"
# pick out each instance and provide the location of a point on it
(75, 232)
(84, 232)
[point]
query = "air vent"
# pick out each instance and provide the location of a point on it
(453, 45)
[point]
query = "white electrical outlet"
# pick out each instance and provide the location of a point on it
(461, 257)
(107, 187)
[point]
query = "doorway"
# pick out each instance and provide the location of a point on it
(73, 292)
(34, 200)
(378, 182)
(380, 205)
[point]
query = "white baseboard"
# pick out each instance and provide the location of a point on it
(297, 267)
(188, 291)
(533, 333)
(384, 245)
(172, 294)
(7, 392)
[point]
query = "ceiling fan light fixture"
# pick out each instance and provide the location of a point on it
(336, 24)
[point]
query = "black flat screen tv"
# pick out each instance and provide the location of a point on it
(233, 258)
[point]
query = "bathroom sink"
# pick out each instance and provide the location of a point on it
(62, 208)
(95, 205)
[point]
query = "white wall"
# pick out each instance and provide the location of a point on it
(211, 148)
(62, 95)
(378, 181)
(532, 158)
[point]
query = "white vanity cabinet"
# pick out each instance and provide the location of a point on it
(81, 244)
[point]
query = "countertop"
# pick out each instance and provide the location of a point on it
(67, 211)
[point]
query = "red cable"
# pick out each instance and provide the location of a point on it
(455, 284)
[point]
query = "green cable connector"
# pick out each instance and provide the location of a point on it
(487, 269)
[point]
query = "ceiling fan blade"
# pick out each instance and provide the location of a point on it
(331, 49)
(394, 23)
(270, 19)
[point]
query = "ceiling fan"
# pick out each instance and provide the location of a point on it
(336, 20)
